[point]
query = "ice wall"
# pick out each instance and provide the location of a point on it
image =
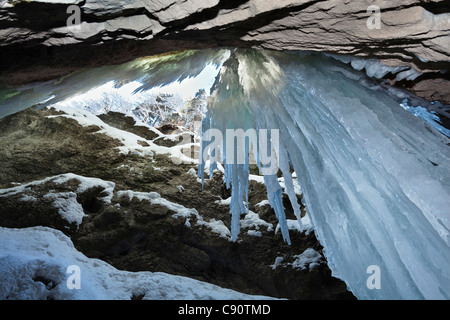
(375, 178)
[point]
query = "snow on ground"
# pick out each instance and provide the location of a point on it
(72, 211)
(254, 233)
(22, 188)
(84, 118)
(41, 263)
(192, 172)
(149, 196)
(297, 188)
(250, 221)
(34, 262)
(254, 177)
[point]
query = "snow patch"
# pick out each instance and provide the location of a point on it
(131, 143)
(254, 233)
(28, 198)
(86, 183)
(224, 202)
(216, 226)
(149, 196)
(192, 172)
(263, 203)
(252, 220)
(293, 224)
(278, 261)
(309, 259)
(68, 206)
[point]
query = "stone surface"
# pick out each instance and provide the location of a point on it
(135, 234)
(119, 121)
(37, 44)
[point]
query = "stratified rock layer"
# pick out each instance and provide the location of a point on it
(37, 43)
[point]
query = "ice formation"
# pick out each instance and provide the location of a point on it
(378, 69)
(374, 178)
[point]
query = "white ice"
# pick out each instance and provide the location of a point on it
(375, 179)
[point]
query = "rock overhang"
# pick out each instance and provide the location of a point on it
(42, 39)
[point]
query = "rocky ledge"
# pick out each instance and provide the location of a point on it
(43, 39)
(120, 196)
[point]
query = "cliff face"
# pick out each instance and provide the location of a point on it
(44, 39)
(139, 211)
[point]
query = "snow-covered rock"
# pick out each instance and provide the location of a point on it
(41, 263)
(135, 220)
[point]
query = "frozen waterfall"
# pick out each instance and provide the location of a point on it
(375, 178)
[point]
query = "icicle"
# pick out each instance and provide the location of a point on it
(274, 195)
(234, 204)
(289, 185)
(203, 150)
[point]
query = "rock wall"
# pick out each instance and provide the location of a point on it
(105, 205)
(44, 39)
